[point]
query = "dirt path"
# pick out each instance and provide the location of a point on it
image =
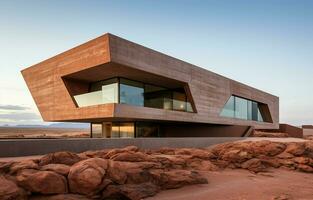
(243, 185)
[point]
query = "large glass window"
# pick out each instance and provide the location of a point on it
(179, 101)
(101, 92)
(147, 129)
(241, 108)
(125, 91)
(131, 92)
(96, 130)
(229, 108)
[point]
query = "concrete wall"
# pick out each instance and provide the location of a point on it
(27, 147)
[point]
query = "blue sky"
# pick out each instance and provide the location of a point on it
(265, 44)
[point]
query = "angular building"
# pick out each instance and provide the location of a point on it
(126, 90)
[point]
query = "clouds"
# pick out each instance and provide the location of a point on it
(17, 114)
(13, 107)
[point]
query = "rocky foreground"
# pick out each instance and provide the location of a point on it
(131, 173)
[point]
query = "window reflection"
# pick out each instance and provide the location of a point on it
(241, 108)
(125, 91)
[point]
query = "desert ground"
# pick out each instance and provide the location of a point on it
(16, 132)
(256, 168)
(277, 184)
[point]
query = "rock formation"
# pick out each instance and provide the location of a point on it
(131, 173)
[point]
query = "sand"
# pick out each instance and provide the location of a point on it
(279, 184)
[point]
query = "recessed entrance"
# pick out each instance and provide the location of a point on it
(124, 130)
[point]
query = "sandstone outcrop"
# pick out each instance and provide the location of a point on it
(131, 173)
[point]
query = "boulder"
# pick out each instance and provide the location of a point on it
(176, 178)
(295, 148)
(119, 172)
(236, 156)
(130, 157)
(309, 149)
(94, 154)
(202, 165)
(255, 165)
(86, 177)
(5, 167)
(9, 190)
(25, 164)
(63, 157)
(58, 168)
(171, 161)
(304, 168)
(195, 153)
(130, 191)
(267, 148)
(43, 182)
(122, 150)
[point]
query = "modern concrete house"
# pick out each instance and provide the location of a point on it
(126, 90)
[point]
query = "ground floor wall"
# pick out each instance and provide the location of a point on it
(27, 147)
(165, 129)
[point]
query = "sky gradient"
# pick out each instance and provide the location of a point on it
(265, 44)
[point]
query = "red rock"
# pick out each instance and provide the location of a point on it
(165, 150)
(195, 153)
(10, 191)
(285, 155)
(59, 197)
(25, 164)
(130, 191)
(171, 161)
(130, 157)
(86, 177)
(254, 165)
(295, 148)
(122, 150)
(119, 171)
(63, 157)
(94, 154)
(236, 156)
(176, 178)
(5, 167)
(268, 148)
(44, 182)
(202, 165)
(305, 168)
(309, 149)
(58, 168)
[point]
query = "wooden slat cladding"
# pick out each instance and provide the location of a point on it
(109, 56)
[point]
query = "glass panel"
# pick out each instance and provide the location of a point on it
(241, 108)
(146, 129)
(127, 130)
(168, 104)
(189, 107)
(179, 101)
(249, 110)
(255, 111)
(115, 131)
(96, 130)
(98, 85)
(89, 99)
(260, 118)
(131, 94)
(229, 108)
(110, 93)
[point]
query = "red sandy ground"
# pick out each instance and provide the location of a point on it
(243, 185)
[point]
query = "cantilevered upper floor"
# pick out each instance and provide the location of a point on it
(112, 79)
